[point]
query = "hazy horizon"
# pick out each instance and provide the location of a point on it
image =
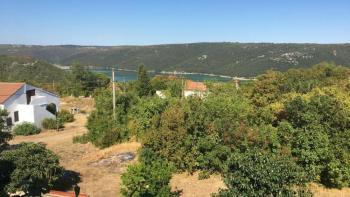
(92, 45)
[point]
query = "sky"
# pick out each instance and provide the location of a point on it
(147, 22)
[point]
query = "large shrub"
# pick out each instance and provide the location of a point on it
(255, 173)
(147, 179)
(51, 123)
(31, 169)
(4, 136)
(65, 116)
(26, 128)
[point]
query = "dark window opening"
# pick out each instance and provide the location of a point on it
(9, 121)
(30, 93)
(52, 108)
(16, 116)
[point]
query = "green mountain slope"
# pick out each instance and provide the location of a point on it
(241, 59)
(27, 69)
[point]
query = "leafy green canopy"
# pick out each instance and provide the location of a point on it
(147, 179)
(255, 173)
(26, 128)
(31, 168)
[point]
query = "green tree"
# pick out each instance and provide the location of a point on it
(256, 173)
(145, 114)
(147, 180)
(5, 166)
(4, 136)
(34, 168)
(144, 87)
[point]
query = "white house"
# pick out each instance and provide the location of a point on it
(26, 103)
(195, 89)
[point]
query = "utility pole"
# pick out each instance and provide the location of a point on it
(182, 88)
(113, 85)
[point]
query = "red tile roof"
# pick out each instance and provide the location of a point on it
(54, 193)
(8, 89)
(199, 86)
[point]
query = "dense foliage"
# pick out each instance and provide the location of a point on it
(65, 116)
(4, 136)
(26, 167)
(147, 179)
(255, 173)
(269, 138)
(26, 128)
(25, 69)
(81, 82)
(30, 168)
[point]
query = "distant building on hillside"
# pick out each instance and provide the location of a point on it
(195, 89)
(160, 94)
(26, 103)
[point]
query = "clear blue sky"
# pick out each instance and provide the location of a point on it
(143, 22)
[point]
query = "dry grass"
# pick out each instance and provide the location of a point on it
(86, 104)
(192, 187)
(320, 191)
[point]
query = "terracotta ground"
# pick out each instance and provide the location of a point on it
(99, 181)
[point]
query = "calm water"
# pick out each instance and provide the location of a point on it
(122, 76)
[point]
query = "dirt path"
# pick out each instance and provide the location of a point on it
(96, 181)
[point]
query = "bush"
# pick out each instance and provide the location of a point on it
(26, 128)
(32, 169)
(51, 123)
(151, 179)
(81, 139)
(255, 173)
(65, 116)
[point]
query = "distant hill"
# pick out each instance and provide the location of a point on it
(235, 59)
(27, 69)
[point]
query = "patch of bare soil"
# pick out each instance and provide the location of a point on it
(192, 187)
(320, 191)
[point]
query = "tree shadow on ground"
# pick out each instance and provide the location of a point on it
(67, 181)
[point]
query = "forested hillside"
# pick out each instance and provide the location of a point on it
(78, 81)
(27, 69)
(235, 59)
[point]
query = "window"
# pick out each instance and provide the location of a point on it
(15, 114)
(9, 121)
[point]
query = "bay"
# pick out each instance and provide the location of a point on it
(125, 76)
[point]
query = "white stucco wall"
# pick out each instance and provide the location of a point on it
(25, 113)
(188, 93)
(33, 112)
(40, 114)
